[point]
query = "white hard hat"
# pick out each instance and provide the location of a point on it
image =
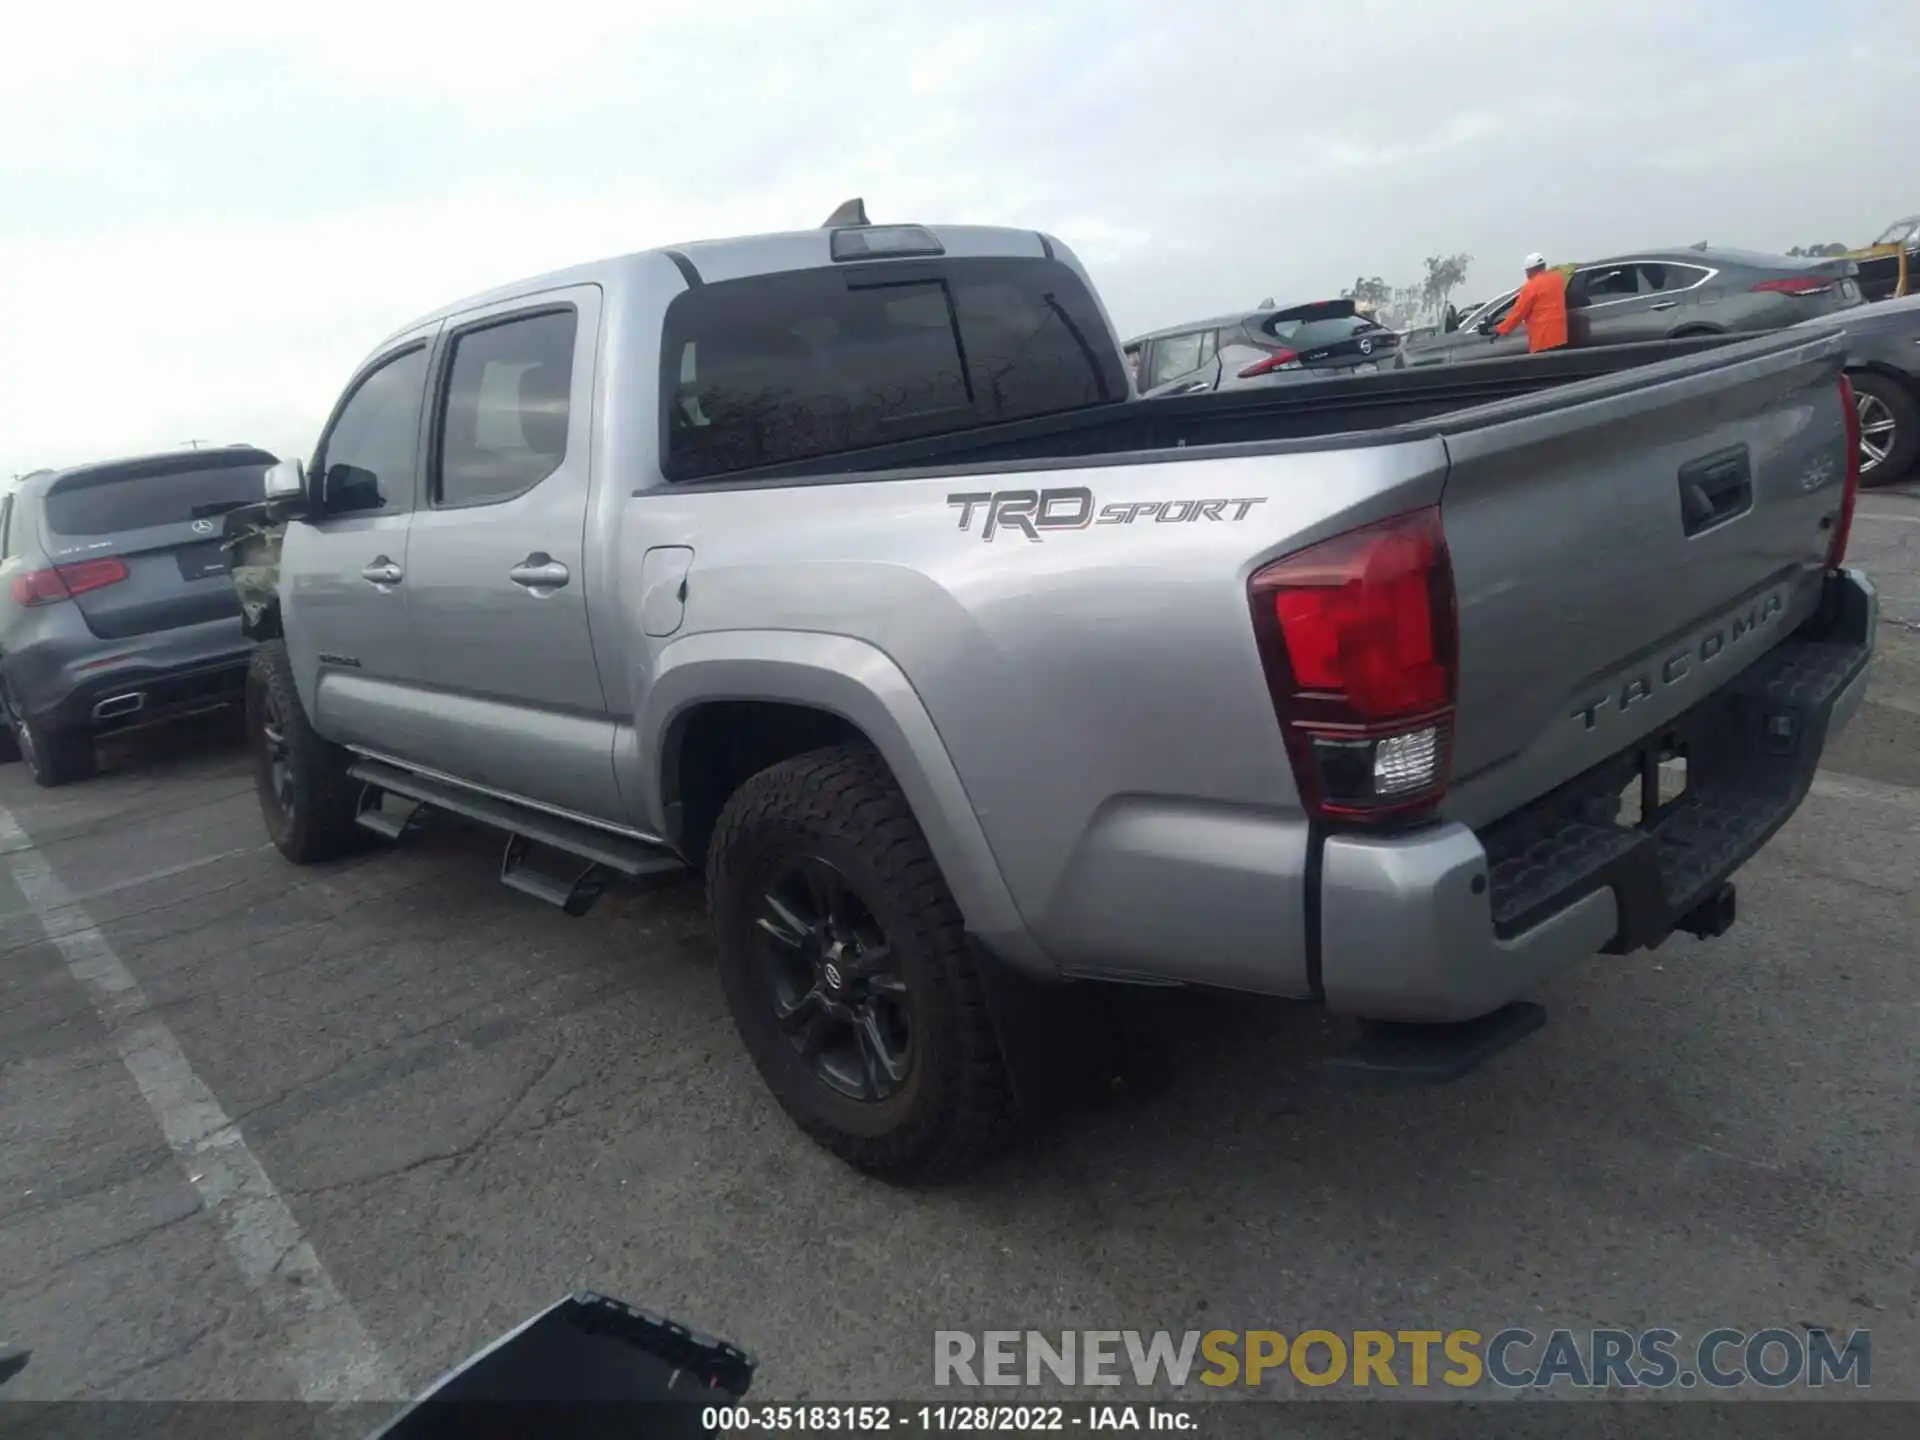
(1533, 260)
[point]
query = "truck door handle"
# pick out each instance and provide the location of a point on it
(381, 571)
(1664, 305)
(540, 571)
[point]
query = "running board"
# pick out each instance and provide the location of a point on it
(573, 890)
(371, 812)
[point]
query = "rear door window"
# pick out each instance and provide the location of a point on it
(504, 428)
(780, 368)
(1669, 275)
(1176, 355)
(167, 492)
(1609, 282)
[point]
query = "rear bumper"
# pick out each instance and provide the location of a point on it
(1449, 924)
(71, 683)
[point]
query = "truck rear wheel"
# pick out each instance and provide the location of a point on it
(847, 970)
(306, 795)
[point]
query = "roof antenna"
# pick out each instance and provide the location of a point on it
(851, 212)
(1266, 304)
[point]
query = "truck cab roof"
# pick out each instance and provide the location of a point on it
(713, 261)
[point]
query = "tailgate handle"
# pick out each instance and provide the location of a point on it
(1715, 488)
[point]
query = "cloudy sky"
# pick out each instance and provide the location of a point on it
(209, 212)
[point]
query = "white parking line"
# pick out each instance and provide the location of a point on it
(326, 1350)
(1830, 786)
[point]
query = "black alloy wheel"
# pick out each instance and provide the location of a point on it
(275, 758)
(307, 797)
(831, 977)
(849, 971)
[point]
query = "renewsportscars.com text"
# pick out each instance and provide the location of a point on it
(1512, 1359)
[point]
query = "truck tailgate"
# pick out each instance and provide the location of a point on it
(1625, 546)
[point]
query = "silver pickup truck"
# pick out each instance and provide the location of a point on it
(845, 567)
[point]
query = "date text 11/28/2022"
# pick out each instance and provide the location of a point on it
(938, 1419)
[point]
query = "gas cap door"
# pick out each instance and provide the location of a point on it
(663, 588)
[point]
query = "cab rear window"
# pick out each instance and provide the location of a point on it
(139, 497)
(781, 368)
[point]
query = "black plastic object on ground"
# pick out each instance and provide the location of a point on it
(588, 1366)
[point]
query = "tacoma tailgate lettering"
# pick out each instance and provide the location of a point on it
(1680, 663)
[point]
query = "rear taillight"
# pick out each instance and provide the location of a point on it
(63, 582)
(1795, 285)
(1843, 526)
(1278, 360)
(1358, 638)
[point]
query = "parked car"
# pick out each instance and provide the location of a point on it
(844, 567)
(1275, 345)
(1890, 265)
(1883, 359)
(1662, 295)
(116, 609)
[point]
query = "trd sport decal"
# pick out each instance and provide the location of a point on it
(1030, 512)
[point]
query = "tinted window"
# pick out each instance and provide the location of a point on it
(6, 528)
(1299, 333)
(1613, 282)
(163, 494)
(1489, 310)
(1174, 356)
(367, 457)
(790, 367)
(1664, 275)
(505, 425)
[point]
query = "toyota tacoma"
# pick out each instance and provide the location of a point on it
(845, 568)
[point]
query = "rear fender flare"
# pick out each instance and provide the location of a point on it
(863, 686)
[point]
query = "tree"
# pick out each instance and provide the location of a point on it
(1445, 273)
(1817, 252)
(1375, 292)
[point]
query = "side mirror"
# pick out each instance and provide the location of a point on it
(286, 480)
(1452, 321)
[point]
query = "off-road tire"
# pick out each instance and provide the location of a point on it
(841, 804)
(1905, 412)
(315, 819)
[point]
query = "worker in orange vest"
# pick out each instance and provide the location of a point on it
(1541, 306)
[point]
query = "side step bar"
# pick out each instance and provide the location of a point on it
(571, 887)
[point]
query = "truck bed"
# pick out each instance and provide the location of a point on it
(1389, 406)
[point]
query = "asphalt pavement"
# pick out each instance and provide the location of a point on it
(277, 1133)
